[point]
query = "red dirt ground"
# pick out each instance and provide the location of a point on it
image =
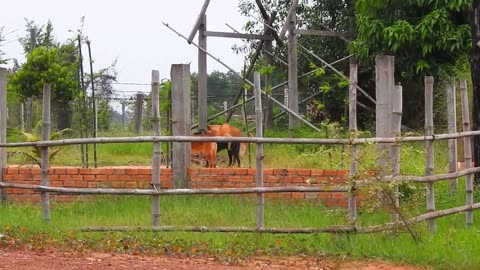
(59, 260)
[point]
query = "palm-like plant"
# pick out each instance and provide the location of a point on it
(34, 153)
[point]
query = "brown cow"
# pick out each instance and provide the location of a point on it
(208, 149)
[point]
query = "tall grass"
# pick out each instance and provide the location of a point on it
(451, 247)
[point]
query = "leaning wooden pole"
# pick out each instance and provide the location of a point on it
(45, 155)
(3, 126)
(259, 164)
(156, 147)
(198, 21)
(352, 123)
(467, 149)
(429, 168)
(452, 128)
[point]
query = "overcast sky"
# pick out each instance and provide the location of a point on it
(130, 31)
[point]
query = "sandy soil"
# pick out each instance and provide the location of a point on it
(60, 260)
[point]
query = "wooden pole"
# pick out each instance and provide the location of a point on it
(3, 126)
(156, 147)
(202, 75)
(467, 149)
(45, 155)
(384, 80)
(397, 98)
(429, 149)
(83, 105)
(22, 116)
(259, 163)
(225, 107)
(291, 16)
(123, 114)
(94, 104)
(268, 113)
(293, 122)
(198, 21)
(138, 113)
(29, 114)
(181, 123)
(352, 123)
(452, 128)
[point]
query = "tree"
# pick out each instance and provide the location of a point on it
(42, 36)
(316, 14)
(55, 66)
(423, 35)
(426, 37)
(475, 70)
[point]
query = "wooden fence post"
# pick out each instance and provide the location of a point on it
(467, 149)
(293, 122)
(123, 114)
(397, 98)
(259, 163)
(29, 114)
(352, 123)
(452, 143)
(3, 126)
(156, 147)
(202, 74)
(384, 81)
(181, 123)
(225, 107)
(429, 149)
(138, 113)
(45, 164)
(22, 119)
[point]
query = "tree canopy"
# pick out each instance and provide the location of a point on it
(55, 66)
(424, 35)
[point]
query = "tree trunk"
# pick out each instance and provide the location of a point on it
(475, 70)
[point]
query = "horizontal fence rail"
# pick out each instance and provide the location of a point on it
(112, 191)
(431, 178)
(146, 139)
(332, 229)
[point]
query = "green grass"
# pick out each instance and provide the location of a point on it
(452, 247)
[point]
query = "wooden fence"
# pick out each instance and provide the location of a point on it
(350, 187)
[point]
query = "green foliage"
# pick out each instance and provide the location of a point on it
(43, 36)
(34, 153)
(54, 66)
(423, 35)
(104, 115)
(318, 14)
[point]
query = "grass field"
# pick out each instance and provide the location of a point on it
(452, 247)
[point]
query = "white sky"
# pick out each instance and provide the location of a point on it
(130, 31)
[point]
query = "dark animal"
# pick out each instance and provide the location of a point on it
(233, 148)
